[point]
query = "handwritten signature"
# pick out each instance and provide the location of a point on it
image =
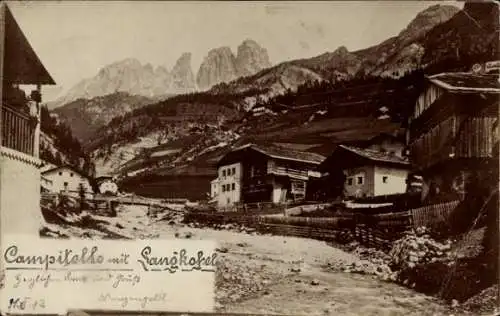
(126, 300)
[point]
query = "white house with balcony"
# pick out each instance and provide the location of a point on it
(20, 129)
(264, 173)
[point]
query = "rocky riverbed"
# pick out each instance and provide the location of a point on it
(286, 275)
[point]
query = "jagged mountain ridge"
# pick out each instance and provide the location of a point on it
(130, 76)
(392, 57)
(127, 85)
(221, 65)
(134, 78)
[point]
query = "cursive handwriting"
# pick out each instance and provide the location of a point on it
(132, 279)
(179, 260)
(64, 258)
(126, 300)
(31, 281)
(45, 279)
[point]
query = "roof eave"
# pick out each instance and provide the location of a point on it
(435, 80)
(295, 159)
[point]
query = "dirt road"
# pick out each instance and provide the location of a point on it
(286, 275)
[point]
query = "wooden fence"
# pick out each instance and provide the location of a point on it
(371, 230)
(379, 230)
(431, 215)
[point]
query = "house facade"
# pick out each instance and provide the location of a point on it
(453, 131)
(367, 172)
(66, 180)
(20, 129)
(263, 173)
(228, 184)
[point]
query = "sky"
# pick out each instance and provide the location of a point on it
(74, 39)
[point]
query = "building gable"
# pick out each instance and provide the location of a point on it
(348, 157)
(56, 170)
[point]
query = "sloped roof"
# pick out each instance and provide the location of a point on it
(285, 153)
(376, 155)
(467, 82)
(21, 63)
(64, 167)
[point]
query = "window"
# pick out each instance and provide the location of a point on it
(60, 173)
(384, 179)
(349, 181)
(360, 180)
(224, 172)
(71, 174)
(223, 188)
(233, 187)
(234, 171)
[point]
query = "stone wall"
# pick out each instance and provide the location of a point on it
(19, 193)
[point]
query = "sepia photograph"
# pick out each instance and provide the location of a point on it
(249, 158)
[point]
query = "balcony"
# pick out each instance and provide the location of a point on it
(288, 172)
(18, 130)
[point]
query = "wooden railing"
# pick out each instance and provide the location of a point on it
(18, 131)
(283, 171)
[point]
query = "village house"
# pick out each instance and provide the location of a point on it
(66, 180)
(262, 173)
(453, 131)
(378, 168)
(20, 178)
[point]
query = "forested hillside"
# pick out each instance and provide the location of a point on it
(58, 145)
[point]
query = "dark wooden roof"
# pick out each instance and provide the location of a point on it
(278, 152)
(346, 157)
(467, 82)
(21, 63)
(376, 155)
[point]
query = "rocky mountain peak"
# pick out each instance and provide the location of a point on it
(251, 58)
(221, 51)
(182, 75)
(221, 65)
(428, 19)
(183, 61)
(113, 68)
(341, 51)
(218, 66)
